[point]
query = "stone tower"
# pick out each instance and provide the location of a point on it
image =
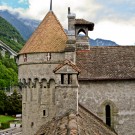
(48, 75)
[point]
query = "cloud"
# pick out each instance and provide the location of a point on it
(114, 19)
(121, 33)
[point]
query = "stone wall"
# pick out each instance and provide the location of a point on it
(42, 92)
(120, 95)
(38, 84)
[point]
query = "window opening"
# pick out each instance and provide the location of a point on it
(25, 57)
(81, 33)
(108, 115)
(44, 112)
(69, 78)
(62, 78)
(32, 124)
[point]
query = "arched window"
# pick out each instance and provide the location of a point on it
(108, 112)
(108, 115)
(81, 33)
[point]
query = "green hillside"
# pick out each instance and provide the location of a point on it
(8, 72)
(10, 36)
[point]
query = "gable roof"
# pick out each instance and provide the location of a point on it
(69, 63)
(85, 123)
(101, 63)
(48, 37)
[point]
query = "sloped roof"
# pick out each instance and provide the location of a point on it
(84, 22)
(85, 123)
(107, 63)
(67, 62)
(48, 37)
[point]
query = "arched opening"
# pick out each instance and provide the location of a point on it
(81, 33)
(108, 115)
(108, 112)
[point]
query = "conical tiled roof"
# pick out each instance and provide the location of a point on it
(48, 37)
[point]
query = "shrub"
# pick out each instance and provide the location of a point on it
(5, 125)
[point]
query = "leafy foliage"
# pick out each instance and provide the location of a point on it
(3, 102)
(8, 72)
(10, 104)
(10, 36)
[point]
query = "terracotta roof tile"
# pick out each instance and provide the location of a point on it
(48, 37)
(85, 123)
(101, 63)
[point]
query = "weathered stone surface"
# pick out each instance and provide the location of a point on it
(118, 94)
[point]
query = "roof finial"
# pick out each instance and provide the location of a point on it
(69, 10)
(50, 5)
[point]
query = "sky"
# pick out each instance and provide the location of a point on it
(114, 19)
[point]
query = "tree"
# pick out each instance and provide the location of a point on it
(15, 101)
(11, 105)
(3, 102)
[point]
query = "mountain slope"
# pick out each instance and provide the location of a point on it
(27, 26)
(23, 25)
(10, 36)
(102, 42)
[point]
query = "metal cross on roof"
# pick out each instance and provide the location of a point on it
(50, 5)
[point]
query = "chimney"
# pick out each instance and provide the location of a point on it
(71, 20)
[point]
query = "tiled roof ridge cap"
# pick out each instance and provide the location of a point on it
(67, 62)
(55, 119)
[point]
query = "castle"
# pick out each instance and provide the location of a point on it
(71, 88)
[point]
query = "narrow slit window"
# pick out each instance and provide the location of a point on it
(108, 115)
(44, 112)
(25, 57)
(69, 78)
(62, 78)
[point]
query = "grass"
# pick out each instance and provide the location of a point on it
(4, 119)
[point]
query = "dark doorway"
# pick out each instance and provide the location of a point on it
(108, 115)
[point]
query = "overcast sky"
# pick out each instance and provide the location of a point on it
(114, 19)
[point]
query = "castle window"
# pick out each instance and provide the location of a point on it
(108, 112)
(44, 112)
(108, 115)
(62, 78)
(32, 124)
(25, 57)
(66, 78)
(48, 56)
(69, 78)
